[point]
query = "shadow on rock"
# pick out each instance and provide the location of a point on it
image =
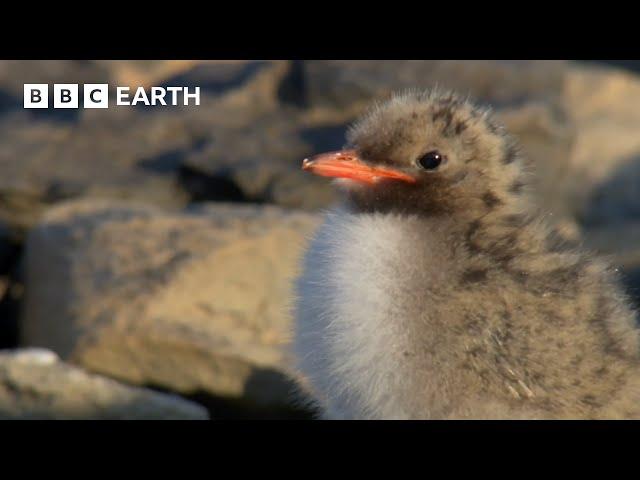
(262, 380)
(201, 187)
(216, 78)
(324, 138)
(617, 199)
(631, 282)
(611, 217)
(292, 87)
(11, 288)
(211, 188)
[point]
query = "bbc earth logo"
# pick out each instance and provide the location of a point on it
(96, 95)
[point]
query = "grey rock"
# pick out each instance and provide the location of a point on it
(604, 105)
(347, 84)
(215, 78)
(261, 163)
(36, 385)
(15, 73)
(45, 162)
(617, 199)
(196, 302)
(124, 152)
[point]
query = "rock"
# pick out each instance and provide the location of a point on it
(217, 77)
(631, 65)
(234, 97)
(213, 76)
(617, 199)
(196, 302)
(7, 249)
(15, 73)
(35, 384)
(126, 153)
(45, 162)
(241, 144)
(261, 163)
(145, 73)
(604, 105)
(348, 84)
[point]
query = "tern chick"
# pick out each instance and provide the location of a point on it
(437, 290)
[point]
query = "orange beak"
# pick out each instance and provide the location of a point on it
(347, 164)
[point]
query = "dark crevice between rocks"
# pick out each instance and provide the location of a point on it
(221, 408)
(166, 163)
(169, 162)
(201, 187)
(216, 79)
(325, 137)
(59, 191)
(61, 115)
(614, 201)
(8, 102)
(630, 65)
(211, 188)
(213, 79)
(292, 88)
(9, 308)
(262, 383)
(631, 282)
(11, 292)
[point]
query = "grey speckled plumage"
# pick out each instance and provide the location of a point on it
(450, 297)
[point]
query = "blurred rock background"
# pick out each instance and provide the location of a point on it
(147, 253)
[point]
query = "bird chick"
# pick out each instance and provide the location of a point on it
(437, 290)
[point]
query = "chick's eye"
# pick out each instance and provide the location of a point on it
(431, 160)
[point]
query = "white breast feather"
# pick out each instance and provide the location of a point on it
(350, 337)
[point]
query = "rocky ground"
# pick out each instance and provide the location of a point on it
(152, 249)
